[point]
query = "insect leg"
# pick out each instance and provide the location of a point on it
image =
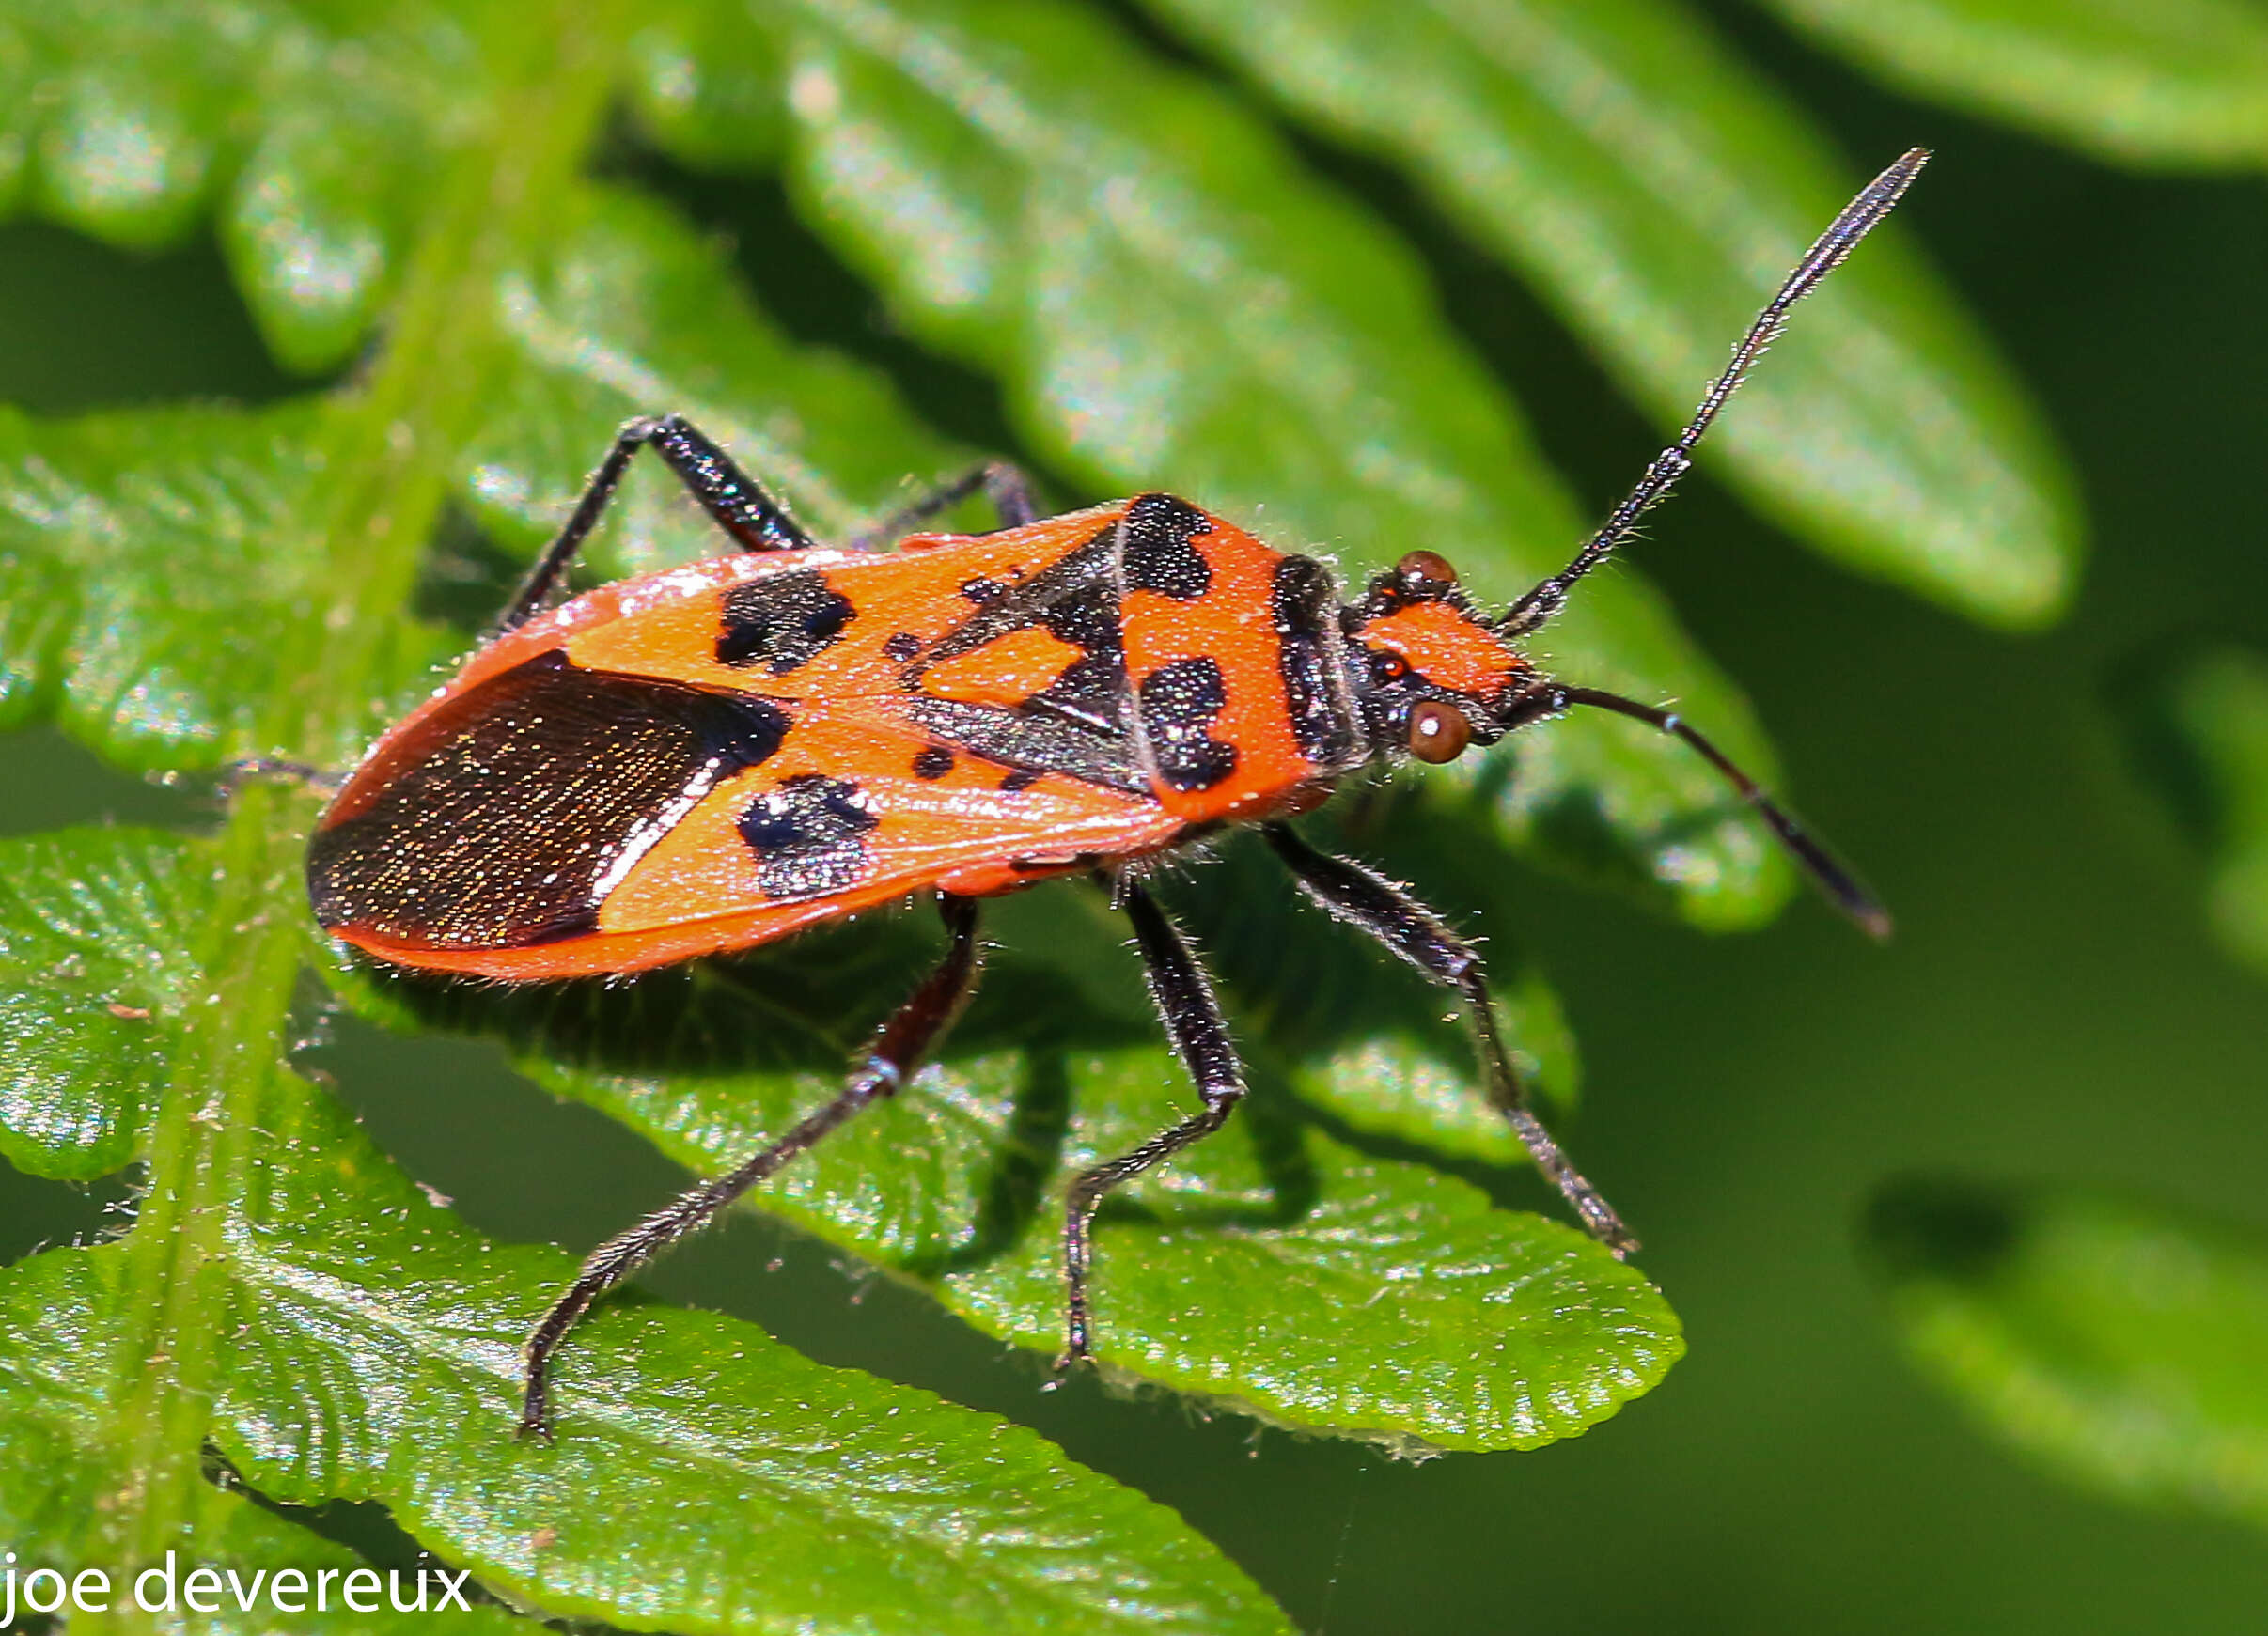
(899, 1048)
(324, 781)
(1007, 486)
(1366, 899)
(1199, 1036)
(734, 500)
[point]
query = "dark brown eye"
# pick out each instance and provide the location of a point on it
(1438, 732)
(1425, 568)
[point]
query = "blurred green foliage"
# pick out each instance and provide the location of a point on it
(2198, 727)
(2114, 1340)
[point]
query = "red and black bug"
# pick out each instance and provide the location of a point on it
(710, 757)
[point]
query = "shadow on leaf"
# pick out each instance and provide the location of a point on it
(719, 1056)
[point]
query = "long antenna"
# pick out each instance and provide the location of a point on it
(1860, 218)
(1829, 873)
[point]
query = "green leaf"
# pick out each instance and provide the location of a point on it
(36, 609)
(624, 306)
(707, 86)
(2118, 1344)
(1170, 299)
(137, 548)
(313, 130)
(1656, 192)
(624, 309)
(1168, 295)
(2199, 730)
(1370, 1300)
(2171, 83)
(1360, 1034)
(58, 1392)
(212, 581)
(706, 1477)
(91, 990)
(1393, 1304)
(148, 544)
(52, 1417)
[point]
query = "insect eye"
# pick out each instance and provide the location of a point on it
(1438, 732)
(1425, 568)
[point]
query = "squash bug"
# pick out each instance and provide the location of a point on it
(712, 756)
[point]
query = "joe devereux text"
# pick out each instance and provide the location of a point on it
(170, 1587)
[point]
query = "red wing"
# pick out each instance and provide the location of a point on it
(856, 808)
(825, 625)
(859, 807)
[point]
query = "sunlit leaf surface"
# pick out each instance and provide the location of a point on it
(705, 1478)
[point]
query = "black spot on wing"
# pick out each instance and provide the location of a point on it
(1155, 548)
(903, 648)
(1074, 599)
(809, 837)
(1179, 703)
(513, 802)
(1022, 778)
(932, 761)
(1309, 654)
(781, 621)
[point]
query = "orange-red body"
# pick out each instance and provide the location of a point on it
(711, 756)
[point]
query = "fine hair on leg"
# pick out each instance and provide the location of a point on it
(908, 1036)
(1014, 502)
(1198, 1034)
(734, 501)
(1366, 899)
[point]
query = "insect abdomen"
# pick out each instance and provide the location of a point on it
(501, 819)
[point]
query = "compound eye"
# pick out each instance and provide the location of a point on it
(1438, 732)
(1425, 568)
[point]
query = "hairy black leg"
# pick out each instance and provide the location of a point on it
(1364, 898)
(1199, 1036)
(912, 1029)
(734, 500)
(322, 780)
(1013, 497)
(1007, 486)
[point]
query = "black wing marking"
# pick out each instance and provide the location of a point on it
(515, 806)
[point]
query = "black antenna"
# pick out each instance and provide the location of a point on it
(1827, 871)
(1860, 218)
